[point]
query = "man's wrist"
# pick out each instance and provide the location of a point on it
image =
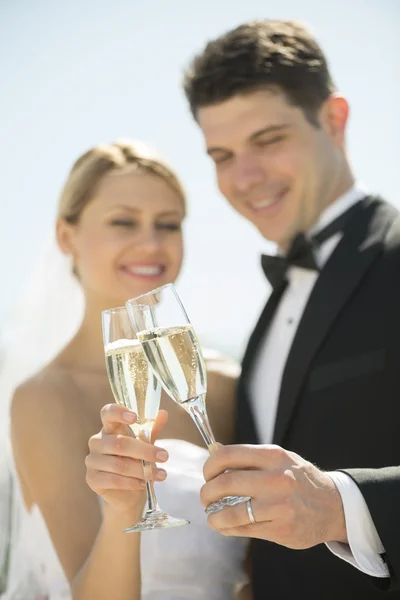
(336, 530)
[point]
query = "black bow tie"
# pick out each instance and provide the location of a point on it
(300, 254)
(302, 250)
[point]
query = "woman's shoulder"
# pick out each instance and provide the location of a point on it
(222, 375)
(221, 364)
(43, 392)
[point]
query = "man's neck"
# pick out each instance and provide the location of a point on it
(340, 187)
(350, 196)
(335, 197)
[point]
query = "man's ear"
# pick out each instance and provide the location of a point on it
(334, 115)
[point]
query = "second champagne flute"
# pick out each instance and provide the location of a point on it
(174, 353)
(134, 385)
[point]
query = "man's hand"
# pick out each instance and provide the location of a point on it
(294, 503)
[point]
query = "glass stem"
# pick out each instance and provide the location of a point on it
(196, 407)
(152, 503)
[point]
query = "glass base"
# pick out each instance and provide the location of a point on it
(219, 505)
(156, 519)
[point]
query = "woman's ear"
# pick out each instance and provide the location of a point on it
(65, 233)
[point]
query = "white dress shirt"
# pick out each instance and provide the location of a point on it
(365, 546)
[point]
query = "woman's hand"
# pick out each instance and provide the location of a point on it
(114, 467)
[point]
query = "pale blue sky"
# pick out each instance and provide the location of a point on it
(84, 71)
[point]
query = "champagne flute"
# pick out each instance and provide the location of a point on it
(174, 353)
(134, 385)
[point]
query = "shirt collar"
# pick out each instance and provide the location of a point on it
(353, 195)
(343, 203)
(356, 193)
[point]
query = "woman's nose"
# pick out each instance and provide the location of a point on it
(148, 239)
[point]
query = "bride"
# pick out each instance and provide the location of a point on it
(119, 225)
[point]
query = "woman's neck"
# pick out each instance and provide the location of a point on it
(86, 349)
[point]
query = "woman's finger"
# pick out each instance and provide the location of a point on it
(121, 465)
(113, 416)
(100, 482)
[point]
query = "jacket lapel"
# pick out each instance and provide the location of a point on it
(358, 249)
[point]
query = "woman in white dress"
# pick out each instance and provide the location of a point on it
(119, 219)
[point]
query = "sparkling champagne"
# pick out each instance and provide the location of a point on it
(175, 355)
(133, 382)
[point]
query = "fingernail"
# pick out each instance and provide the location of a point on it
(130, 417)
(161, 475)
(162, 455)
(214, 447)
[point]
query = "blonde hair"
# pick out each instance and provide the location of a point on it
(97, 162)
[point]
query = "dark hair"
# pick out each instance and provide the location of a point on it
(281, 55)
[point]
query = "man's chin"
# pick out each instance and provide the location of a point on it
(270, 234)
(281, 236)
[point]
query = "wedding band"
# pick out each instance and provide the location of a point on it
(250, 511)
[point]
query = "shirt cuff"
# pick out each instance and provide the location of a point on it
(365, 547)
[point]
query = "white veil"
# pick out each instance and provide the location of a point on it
(44, 317)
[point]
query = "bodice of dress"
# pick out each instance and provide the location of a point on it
(190, 562)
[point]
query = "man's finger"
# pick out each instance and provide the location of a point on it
(235, 521)
(248, 531)
(243, 457)
(243, 483)
(237, 516)
(261, 531)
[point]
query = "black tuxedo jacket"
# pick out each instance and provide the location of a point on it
(339, 403)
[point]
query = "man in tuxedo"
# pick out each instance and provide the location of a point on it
(320, 380)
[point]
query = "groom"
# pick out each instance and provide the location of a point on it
(321, 373)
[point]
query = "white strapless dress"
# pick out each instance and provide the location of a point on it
(184, 563)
